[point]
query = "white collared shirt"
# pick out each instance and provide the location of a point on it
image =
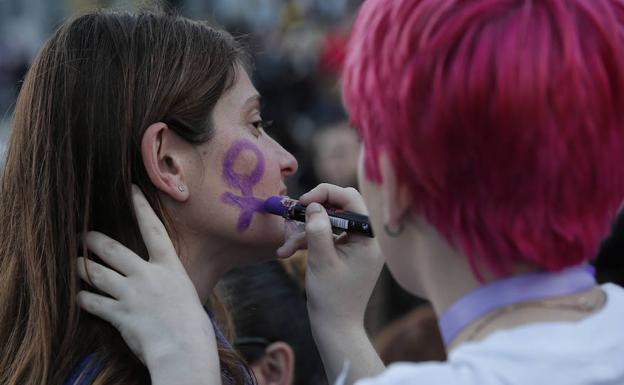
(586, 352)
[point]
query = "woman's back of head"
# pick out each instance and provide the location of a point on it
(268, 305)
(74, 152)
(503, 118)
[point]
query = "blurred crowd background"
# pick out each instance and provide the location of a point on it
(297, 47)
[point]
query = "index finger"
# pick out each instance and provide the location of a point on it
(155, 236)
(335, 196)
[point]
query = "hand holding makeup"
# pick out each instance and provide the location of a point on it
(153, 304)
(340, 278)
(338, 267)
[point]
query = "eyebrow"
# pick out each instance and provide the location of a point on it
(255, 99)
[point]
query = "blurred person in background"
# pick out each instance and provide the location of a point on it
(413, 337)
(268, 308)
(336, 149)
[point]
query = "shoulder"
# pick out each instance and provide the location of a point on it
(85, 371)
(614, 292)
(554, 353)
(428, 373)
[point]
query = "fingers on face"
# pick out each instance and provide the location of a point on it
(345, 198)
(157, 241)
(113, 253)
(101, 277)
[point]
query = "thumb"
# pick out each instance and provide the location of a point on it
(319, 232)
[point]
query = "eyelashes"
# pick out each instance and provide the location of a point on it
(264, 124)
(260, 126)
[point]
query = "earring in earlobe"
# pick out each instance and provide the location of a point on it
(393, 232)
(181, 188)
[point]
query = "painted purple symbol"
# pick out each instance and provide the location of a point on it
(246, 201)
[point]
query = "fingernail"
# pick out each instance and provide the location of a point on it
(313, 208)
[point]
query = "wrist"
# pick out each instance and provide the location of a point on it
(183, 368)
(337, 319)
(198, 349)
(336, 326)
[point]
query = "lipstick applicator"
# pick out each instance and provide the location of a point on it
(339, 219)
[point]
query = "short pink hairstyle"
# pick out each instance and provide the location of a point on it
(504, 118)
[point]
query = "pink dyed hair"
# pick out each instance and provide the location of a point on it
(504, 118)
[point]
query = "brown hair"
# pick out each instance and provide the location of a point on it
(74, 152)
(415, 337)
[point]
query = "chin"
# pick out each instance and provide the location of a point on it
(265, 235)
(259, 242)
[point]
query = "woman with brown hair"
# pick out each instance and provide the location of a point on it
(115, 99)
(490, 129)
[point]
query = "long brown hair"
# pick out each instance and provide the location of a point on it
(74, 152)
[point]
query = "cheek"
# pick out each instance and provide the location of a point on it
(251, 177)
(369, 191)
(397, 260)
(242, 172)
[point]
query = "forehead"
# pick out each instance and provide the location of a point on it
(242, 95)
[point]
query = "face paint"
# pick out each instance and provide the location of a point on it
(247, 203)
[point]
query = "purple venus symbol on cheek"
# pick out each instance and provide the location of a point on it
(247, 203)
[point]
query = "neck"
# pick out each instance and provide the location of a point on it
(444, 286)
(441, 285)
(204, 264)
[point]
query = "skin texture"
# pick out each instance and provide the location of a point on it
(226, 178)
(240, 159)
(247, 202)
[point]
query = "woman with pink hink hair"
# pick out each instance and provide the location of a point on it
(493, 131)
(490, 133)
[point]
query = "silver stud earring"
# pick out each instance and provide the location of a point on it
(181, 188)
(393, 232)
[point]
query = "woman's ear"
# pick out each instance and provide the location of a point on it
(162, 151)
(397, 202)
(276, 366)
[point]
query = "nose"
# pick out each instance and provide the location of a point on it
(288, 163)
